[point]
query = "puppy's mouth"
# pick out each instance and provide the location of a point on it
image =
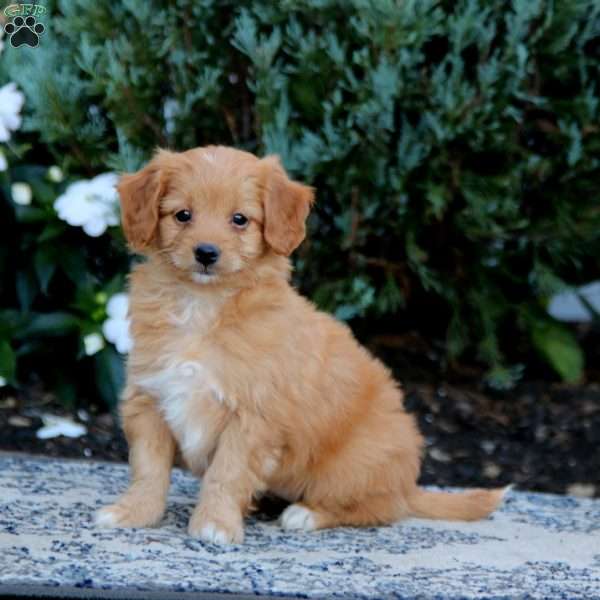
(204, 275)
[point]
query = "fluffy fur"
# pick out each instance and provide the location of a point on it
(257, 389)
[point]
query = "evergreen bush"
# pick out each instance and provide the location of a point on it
(454, 146)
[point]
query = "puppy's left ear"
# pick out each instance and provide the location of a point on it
(286, 205)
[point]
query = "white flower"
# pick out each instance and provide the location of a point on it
(116, 327)
(3, 163)
(21, 193)
(91, 204)
(55, 174)
(567, 306)
(3, 381)
(55, 426)
(11, 102)
(93, 343)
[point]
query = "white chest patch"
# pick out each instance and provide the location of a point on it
(181, 388)
(182, 385)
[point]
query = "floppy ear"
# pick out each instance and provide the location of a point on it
(286, 205)
(140, 195)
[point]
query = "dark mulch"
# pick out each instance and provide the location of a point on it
(542, 437)
(20, 418)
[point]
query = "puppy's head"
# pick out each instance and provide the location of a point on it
(213, 211)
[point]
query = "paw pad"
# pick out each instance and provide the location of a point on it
(24, 32)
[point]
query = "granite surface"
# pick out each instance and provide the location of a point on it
(535, 546)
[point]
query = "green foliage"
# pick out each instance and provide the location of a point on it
(455, 148)
(55, 285)
(559, 347)
(54, 294)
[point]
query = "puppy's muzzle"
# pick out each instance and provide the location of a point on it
(206, 254)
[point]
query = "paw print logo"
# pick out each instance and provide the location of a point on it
(24, 32)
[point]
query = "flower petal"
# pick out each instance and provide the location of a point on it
(95, 228)
(93, 343)
(118, 306)
(21, 193)
(55, 426)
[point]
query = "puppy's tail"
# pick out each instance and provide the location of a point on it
(462, 506)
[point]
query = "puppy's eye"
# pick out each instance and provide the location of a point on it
(239, 220)
(183, 216)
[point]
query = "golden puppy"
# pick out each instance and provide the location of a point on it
(257, 389)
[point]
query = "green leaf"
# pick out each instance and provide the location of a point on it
(30, 214)
(456, 335)
(48, 325)
(74, 266)
(504, 378)
(45, 267)
(51, 231)
(27, 289)
(559, 347)
(10, 321)
(66, 390)
(43, 191)
(437, 198)
(110, 375)
(8, 362)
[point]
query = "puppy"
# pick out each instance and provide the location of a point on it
(258, 390)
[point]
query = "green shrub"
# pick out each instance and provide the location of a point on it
(454, 145)
(56, 282)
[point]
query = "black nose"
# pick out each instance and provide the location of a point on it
(206, 254)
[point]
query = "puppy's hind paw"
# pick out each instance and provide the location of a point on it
(298, 517)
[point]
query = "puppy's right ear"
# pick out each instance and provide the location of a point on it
(140, 195)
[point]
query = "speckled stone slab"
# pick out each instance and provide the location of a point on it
(536, 546)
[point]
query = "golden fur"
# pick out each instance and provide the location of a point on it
(257, 389)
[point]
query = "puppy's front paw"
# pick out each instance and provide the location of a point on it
(298, 517)
(113, 516)
(126, 515)
(216, 530)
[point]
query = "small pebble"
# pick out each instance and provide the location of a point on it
(447, 427)
(105, 420)
(18, 421)
(581, 490)
(439, 455)
(488, 446)
(491, 470)
(9, 402)
(541, 433)
(464, 409)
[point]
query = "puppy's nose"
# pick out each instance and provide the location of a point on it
(206, 254)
